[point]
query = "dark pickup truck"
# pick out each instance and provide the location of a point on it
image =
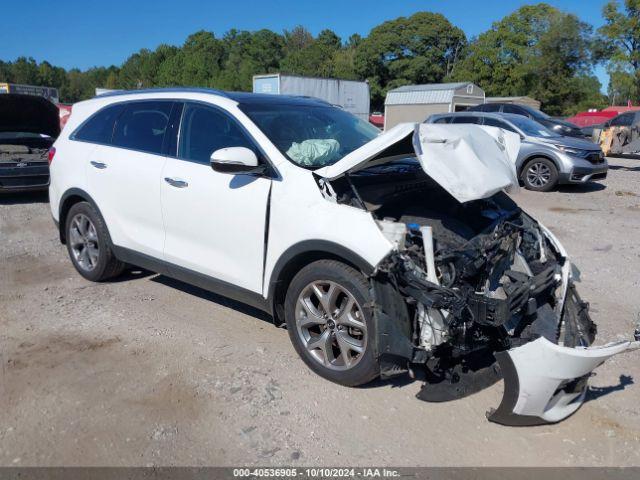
(28, 127)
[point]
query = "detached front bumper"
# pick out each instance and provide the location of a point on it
(545, 382)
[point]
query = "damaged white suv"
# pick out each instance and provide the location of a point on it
(382, 253)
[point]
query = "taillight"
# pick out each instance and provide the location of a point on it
(51, 154)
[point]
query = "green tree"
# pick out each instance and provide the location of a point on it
(537, 51)
(142, 68)
(422, 48)
(248, 54)
(24, 70)
(305, 55)
(620, 37)
(202, 59)
(77, 87)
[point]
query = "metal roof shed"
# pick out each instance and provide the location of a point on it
(351, 95)
(414, 103)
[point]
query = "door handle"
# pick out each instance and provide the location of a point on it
(175, 182)
(99, 165)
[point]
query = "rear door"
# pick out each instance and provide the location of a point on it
(124, 176)
(214, 222)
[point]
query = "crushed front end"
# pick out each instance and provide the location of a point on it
(474, 290)
(503, 294)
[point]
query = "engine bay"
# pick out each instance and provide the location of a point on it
(466, 280)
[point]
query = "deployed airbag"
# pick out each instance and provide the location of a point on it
(315, 151)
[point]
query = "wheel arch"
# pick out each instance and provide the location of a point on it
(533, 156)
(68, 200)
(297, 257)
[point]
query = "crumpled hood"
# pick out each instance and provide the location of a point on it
(28, 113)
(468, 161)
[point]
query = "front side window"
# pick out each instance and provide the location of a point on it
(532, 112)
(515, 109)
(206, 129)
(532, 128)
(142, 126)
(311, 136)
(492, 122)
(623, 120)
(99, 128)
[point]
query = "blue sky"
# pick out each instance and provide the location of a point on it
(74, 33)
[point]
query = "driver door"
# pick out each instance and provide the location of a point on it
(214, 222)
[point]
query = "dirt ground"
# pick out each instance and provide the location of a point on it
(149, 371)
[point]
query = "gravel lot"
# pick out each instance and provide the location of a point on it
(150, 371)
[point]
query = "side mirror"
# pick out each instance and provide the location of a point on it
(235, 160)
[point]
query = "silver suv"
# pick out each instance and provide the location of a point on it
(546, 159)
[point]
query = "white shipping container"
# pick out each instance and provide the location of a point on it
(351, 95)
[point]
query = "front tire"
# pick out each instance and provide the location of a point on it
(540, 175)
(89, 244)
(330, 324)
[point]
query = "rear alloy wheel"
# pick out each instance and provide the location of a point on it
(328, 323)
(89, 245)
(540, 175)
(83, 240)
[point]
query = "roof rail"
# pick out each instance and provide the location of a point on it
(211, 91)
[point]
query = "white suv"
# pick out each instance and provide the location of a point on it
(380, 252)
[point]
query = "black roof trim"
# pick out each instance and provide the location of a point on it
(210, 91)
(244, 98)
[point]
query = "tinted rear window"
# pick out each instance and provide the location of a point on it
(142, 126)
(464, 119)
(490, 107)
(515, 109)
(99, 128)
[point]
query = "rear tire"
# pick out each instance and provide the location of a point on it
(89, 244)
(330, 323)
(540, 175)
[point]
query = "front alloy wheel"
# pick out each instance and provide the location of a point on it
(331, 325)
(538, 175)
(330, 322)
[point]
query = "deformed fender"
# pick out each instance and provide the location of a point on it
(545, 382)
